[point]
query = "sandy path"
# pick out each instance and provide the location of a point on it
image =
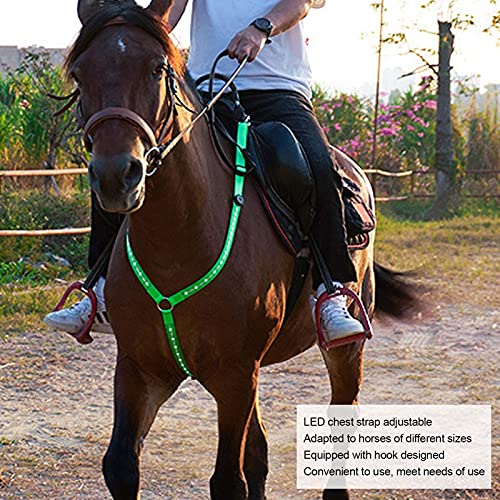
(56, 411)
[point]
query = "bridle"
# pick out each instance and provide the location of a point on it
(158, 148)
(125, 114)
(147, 133)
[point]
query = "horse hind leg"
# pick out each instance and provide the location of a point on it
(344, 365)
(256, 457)
(137, 400)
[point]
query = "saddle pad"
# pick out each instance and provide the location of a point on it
(291, 236)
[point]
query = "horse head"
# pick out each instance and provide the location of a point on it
(120, 62)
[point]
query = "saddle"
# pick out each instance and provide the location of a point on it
(286, 188)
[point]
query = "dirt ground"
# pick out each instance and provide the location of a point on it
(56, 408)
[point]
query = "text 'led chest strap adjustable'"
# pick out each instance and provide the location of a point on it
(166, 304)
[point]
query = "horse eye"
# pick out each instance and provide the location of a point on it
(159, 72)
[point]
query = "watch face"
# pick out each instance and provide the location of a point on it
(263, 24)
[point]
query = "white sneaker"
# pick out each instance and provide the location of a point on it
(336, 321)
(72, 319)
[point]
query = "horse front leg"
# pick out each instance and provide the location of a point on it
(137, 399)
(345, 367)
(256, 457)
(235, 394)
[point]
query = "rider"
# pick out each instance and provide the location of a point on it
(274, 87)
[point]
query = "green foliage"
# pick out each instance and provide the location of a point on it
(24, 272)
(34, 209)
(10, 118)
(30, 135)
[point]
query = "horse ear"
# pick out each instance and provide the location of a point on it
(160, 8)
(87, 8)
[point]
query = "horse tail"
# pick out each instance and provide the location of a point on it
(395, 294)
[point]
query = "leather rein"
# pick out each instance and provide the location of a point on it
(158, 148)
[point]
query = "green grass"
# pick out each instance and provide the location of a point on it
(457, 258)
(415, 209)
(31, 269)
(37, 209)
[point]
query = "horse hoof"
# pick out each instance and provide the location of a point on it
(336, 495)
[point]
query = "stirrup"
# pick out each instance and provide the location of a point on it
(83, 335)
(365, 320)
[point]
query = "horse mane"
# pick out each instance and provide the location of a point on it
(134, 15)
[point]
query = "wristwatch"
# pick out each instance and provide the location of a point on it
(264, 25)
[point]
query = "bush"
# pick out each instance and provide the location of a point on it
(406, 125)
(36, 209)
(30, 135)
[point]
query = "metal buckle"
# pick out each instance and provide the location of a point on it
(153, 154)
(153, 157)
(167, 302)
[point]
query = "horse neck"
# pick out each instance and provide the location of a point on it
(186, 200)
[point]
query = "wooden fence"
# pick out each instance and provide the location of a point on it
(412, 174)
(372, 174)
(43, 173)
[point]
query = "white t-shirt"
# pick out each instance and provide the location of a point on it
(281, 65)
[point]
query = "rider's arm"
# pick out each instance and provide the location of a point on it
(177, 9)
(286, 14)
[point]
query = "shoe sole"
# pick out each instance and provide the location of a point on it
(96, 327)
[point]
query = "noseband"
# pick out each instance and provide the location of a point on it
(118, 113)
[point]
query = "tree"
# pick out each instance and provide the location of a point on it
(450, 18)
(444, 164)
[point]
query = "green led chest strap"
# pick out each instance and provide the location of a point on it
(167, 304)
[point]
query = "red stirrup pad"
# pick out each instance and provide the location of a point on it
(365, 320)
(83, 336)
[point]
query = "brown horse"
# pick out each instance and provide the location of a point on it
(177, 222)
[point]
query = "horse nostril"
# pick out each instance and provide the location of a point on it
(134, 174)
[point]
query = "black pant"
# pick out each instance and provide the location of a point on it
(295, 111)
(104, 227)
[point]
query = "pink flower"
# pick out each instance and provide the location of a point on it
(410, 128)
(420, 134)
(430, 104)
(421, 122)
(354, 143)
(386, 131)
(383, 118)
(337, 126)
(411, 114)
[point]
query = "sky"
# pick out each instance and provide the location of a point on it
(342, 39)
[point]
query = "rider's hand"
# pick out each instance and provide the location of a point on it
(248, 42)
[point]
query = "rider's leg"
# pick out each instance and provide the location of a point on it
(104, 228)
(296, 111)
